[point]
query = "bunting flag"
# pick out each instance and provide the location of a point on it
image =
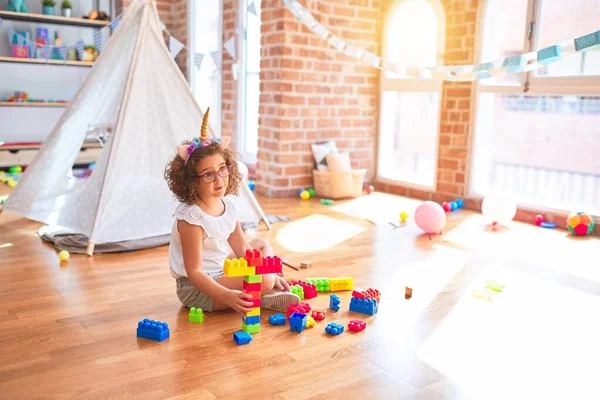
(198, 57)
(241, 32)
(80, 47)
(217, 57)
(175, 46)
(252, 8)
(11, 34)
(98, 40)
(114, 23)
(162, 26)
(230, 47)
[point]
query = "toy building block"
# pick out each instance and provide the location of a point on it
(310, 322)
(251, 287)
(251, 320)
(305, 264)
(302, 308)
(334, 302)
(255, 302)
(357, 325)
(237, 267)
(254, 258)
(270, 265)
(334, 329)
(253, 312)
(153, 330)
(253, 278)
(241, 338)
(588, 41)
(310, 290)
(322, 284)
(196, 315)
(407, 293)
(298, 290)
(318, 315)
(277, 319)
(367, 294)
(255, 295)
(297, 322)
(342, 283)
(254, 328)
(363, 306)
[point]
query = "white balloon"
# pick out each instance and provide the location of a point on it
(499, 208)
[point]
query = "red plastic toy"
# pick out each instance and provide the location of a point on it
(318, 315)
(310, 290)
(367, 294)
(539, 219)
(446, 206)
(357, 325)
(301, 308)
(254, 258)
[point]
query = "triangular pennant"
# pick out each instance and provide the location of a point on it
(252, 8)
(98, 40)
(80, 47)
(217, 57)
(114, 23)
(175, 46)
(198, 57)
(162, 26)
(241, 32)
(230, 47)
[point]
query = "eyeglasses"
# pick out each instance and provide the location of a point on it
(210, 177)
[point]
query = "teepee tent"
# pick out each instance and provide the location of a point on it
(135, 87)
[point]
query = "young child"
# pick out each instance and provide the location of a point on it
(205, 228)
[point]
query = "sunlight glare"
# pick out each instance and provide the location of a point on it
(5, 245)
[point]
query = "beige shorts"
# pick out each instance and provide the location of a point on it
(190, 296)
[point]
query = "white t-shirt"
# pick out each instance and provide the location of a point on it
(215, 247)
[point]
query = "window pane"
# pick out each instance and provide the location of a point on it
(503, 33)
(557, 23)
(545, 149)
(408, 136)
(409, 20)
(207, 39)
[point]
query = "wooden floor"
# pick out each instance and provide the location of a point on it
(68, 330)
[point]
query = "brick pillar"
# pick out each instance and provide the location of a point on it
(229, 86)
(310, 93)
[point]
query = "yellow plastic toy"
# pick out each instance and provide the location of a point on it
(64, 255)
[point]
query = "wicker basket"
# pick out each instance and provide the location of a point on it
(339, 184)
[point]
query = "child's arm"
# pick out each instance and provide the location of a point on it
(238, 242)
(191, 246)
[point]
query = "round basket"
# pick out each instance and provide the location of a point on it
(339, 184)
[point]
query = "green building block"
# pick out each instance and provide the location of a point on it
(253, 328)
(196, 315)
(253, 278)
(299, 290)
(326, 202)
(322, 284)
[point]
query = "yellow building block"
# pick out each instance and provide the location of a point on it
(237, 267)
(341, 283)
(255, 311)
(310, 322)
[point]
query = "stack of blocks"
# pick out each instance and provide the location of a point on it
(365, 301)
(331, 284)
(252, 267)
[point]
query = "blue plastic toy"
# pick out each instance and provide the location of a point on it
(251, 185)
(460, 203)
(363, 306)
(548, 225)
(153, 330)
(277, 319)
(334, 302)
(255, 319)
(241, 338)
(298, 322)
(453, 205)
(334, 329)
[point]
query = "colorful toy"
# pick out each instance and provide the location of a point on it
(460, 203)
(579, 223)
(251, 185)
(363, 306)
(334, 302)
(369, 189)
(153, 330)
(499, 209)
(20, 51)
(311, 191)
(343, 283)
(403, 217)
(298, 291)
(309, 291)
(430, 217)
(357, 325)
(318, 315)
(326, 202)
(539, 219)
(407, 293)
(17, 6)
(306, 264)
(548, 225)
(494, 286)
(196, 315)
(453, 205)
(310, 322)
(334, 329)
(241, 338)
(297, 322)
(277, 319)
(305, 195)
(446, 206)
(237, 267)
(322, 284)
(301, 308)
(367, 294)
(64, 255)
(251, 328)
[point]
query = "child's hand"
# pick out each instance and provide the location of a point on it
(281, 284)
(236, 300)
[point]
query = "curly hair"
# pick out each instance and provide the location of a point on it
(183, 180)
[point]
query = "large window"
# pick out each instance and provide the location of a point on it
(410, 108)
(206, 37)
(249, 82)
(537, 134)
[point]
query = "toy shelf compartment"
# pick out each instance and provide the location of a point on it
(31, 104)
(52, 19)
(42, 61)
(339, 184)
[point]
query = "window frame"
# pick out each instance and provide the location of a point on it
(409, 84)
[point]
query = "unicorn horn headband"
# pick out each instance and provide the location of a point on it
(186, 150)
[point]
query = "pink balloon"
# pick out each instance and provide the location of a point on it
(430, 217)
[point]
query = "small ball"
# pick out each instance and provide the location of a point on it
(64, 255)
(311, 191)
(251, 185)
(539, 219)
(305, 195)
(403, 216)
(446, 206)
(453, 206)
(460, 203)
(369, 189)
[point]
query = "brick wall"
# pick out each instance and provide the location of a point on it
(309, 92)
(229, 86)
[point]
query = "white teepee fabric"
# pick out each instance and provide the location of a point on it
(136, 86)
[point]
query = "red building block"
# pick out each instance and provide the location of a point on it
(255, 295)
(255, 302)
(356, 325)
(270, 265)
(318, 315)
(301, 308)
(310, 290)
(251, 287)
(254, 258)
(367, 294)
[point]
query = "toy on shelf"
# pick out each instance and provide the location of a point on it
(318, 315)
(580, 223)
(241, 338)
(297, 322)
(64, 255)
(153, 330)
(196, 315)
(17, 6)
(334, 302)
(334, 329)
(277, 319)
(357, 325)
(301, 308)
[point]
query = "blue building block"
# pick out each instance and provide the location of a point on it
(153, 330)
(588, 41)
(255, 319)
(298, 322)
(363, 306)
(277, 319)
(241, 338)
(334, 329)
(334, 302)
(549, 55)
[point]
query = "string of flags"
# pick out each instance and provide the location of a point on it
(464, 73)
